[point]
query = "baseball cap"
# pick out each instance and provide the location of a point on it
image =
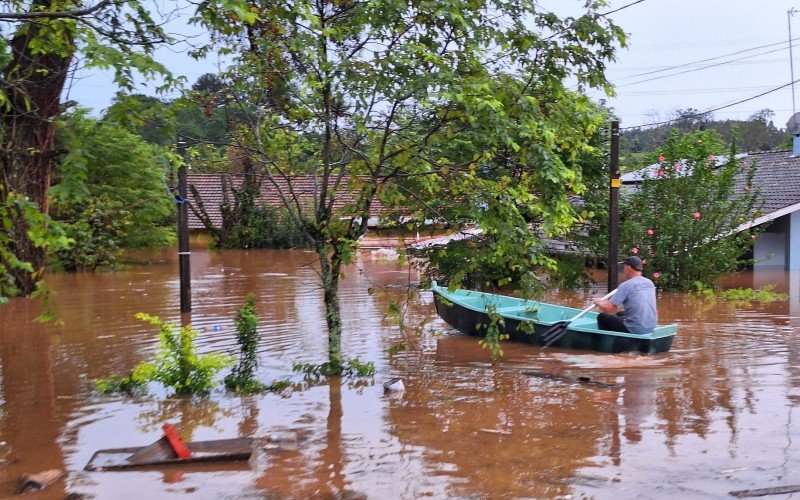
(634, 261)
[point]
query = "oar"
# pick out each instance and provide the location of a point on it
(557, 330)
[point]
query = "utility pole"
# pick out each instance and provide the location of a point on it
(789, 14)
(613, 209)
(183, 233)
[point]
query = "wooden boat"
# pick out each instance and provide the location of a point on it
(161, 453)
(525, 321)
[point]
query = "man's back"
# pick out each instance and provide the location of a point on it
(638, 297)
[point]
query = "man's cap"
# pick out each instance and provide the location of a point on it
(634, 261)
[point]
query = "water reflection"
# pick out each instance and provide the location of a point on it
(714, 415)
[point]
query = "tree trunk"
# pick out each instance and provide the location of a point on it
(330, 267)
(33, 83)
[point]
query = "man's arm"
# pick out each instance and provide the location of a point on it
(606, 306)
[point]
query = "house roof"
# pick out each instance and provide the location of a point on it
(777, 175)
(210, 189)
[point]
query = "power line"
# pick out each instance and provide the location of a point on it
(711, 110)
(621, 8)
(683, 65)
(690, 70)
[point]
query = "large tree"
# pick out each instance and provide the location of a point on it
(355, 102)
(39, 41)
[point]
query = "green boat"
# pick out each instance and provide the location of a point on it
(525, 321)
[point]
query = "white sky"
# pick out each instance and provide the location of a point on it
(662, 34)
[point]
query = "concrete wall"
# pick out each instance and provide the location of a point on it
(769, 250)
(779, 245)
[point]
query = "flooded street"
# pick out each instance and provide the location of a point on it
(718, 413)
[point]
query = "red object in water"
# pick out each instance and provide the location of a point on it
(175, 441)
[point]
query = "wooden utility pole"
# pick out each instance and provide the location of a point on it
(183, 234)
(613, 209)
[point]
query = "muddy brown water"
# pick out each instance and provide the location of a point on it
(716, 414)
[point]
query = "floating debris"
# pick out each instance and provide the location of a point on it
(778, 490)
(40, 481)
(394, 385)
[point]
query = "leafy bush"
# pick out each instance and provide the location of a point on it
(266, 227)
(131, 384)
(765, 294)
(17, 215)
(108, 192)
(682, 220)
(97, 226)
(176, 365)
(241, 378)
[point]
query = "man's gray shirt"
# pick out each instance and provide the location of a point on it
(637, 296)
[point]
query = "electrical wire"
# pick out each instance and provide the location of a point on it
(622, 8)
(711, 110)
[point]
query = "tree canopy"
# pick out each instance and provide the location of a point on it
(404, 102)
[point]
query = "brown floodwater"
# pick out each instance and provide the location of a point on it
(718, 413)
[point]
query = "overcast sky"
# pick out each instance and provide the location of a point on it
(686, 35)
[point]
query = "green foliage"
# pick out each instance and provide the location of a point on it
(116, 384)
(266, 227)
(96, 227)
(109, 193)
(757, 133)
(279, 386)
(765, 294)
(241, 379)
(404, 103)
(493, 336)
(36, 56)
(683, 225)
(19, 216)
(177, 365)
(570, 273)
(352, 368)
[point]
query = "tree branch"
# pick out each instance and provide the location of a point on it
(72, 14)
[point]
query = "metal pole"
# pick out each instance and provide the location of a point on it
(183, 235)
(613, 209)
(791, 56)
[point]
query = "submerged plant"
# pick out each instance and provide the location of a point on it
(176, 364)
(118, 384)
(493, 336)
(764, 294)
(241, 378)
(352, 368)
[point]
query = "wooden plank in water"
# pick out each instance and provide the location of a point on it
(161, 453)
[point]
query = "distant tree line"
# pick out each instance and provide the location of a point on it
(757, 133)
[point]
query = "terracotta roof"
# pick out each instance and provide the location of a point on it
(209, 186)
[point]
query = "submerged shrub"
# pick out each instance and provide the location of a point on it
(117, 384)
(241, 378)
(176, 364)
(352, 368)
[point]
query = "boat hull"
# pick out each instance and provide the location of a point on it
(473, 321)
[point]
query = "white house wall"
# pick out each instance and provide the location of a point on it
(769, 250)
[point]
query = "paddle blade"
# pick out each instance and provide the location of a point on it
(554, 332)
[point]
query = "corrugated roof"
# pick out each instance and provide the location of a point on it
(777, 176)
(304, 189)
